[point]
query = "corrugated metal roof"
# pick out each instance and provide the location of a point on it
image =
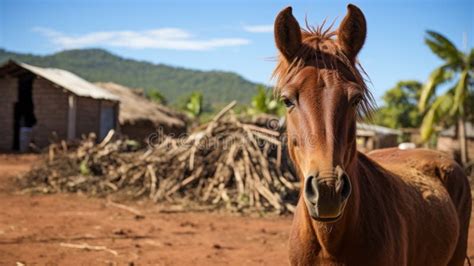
(378, 129)
(450, 132)
(70, 82)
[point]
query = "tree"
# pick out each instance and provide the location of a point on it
(264, 102)
(155, 96)
(193, 106)
(400, 108)
(457, 71)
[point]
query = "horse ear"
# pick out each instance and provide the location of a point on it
(287, 34)
(352, 32)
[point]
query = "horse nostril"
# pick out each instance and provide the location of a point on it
(346, 188)
(344, 184)
(310, 189)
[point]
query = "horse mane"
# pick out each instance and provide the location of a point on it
(311, 54)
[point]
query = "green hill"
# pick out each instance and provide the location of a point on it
(95, 65)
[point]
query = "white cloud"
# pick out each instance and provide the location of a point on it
(258, 28)
(162, 38)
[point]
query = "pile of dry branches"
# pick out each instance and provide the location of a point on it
(226, 163)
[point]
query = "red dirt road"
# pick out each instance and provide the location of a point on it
(35, 230)
(38, 230)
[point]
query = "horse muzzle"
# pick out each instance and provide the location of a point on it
(326, 194)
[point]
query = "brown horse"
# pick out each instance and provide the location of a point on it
(390, 207)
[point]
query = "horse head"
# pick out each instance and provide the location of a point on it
(319, 82)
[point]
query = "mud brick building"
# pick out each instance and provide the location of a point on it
(448, 142)
(39, 104)
(371, 137)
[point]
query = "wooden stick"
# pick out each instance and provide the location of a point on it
(51, 153)
(185, 182)
(124, 207)
(224, 110)
(151, 171)
(107, 138)
(262, 130)
(88, 247)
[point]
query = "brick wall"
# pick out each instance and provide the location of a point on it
(8, 97)
(87, 116)
(452, 147)
(51, 110)
(51, 107)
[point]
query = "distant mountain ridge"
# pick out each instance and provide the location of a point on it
(174, 83)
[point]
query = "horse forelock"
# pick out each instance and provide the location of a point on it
(320, 49)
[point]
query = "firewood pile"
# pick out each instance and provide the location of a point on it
(226, 164)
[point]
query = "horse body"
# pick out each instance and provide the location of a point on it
(409, 221)
(389, 207)
(441, 183)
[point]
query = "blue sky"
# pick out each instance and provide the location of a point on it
(232, 35)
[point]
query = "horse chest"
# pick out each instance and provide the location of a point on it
(304, 254)
(329, 247)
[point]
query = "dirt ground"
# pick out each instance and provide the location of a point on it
(48, 229)
(38, 230)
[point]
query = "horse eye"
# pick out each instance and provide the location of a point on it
(287, 102)
(356, 101)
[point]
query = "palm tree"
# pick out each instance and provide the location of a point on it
(452, 106)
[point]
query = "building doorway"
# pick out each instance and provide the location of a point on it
(107, 119)
(23, 115)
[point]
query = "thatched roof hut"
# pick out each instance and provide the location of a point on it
(139, 117)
